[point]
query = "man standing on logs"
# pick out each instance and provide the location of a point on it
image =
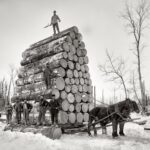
(42, 110)
(48, 75)
(54, 107)
(54, 22)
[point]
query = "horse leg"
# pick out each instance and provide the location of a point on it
(121, 127)
(104, 131)
(95, 131)
(114, 128)
(89, 126)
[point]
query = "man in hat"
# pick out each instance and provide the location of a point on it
(48, 76)
(26, 110)
(43, 104)
(18, 109)
(54, 22)
(54, 107)
(9, 110)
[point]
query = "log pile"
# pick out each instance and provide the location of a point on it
(67, 56)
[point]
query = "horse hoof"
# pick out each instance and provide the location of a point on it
(121, 134)
(114, 135)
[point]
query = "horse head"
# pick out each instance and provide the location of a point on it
(132, 105)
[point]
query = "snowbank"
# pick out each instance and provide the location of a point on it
(136, 139)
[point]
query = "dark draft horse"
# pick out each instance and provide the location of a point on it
(116, 113)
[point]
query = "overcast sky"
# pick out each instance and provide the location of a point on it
(22, 22)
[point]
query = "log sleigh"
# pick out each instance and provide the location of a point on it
(66, 55)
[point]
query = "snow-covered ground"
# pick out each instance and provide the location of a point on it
(136, 139)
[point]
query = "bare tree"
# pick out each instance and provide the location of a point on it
(136, 18)
(114, 69)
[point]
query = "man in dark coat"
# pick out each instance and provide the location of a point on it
(43, 104)
(48, 76)
(26, 110)
(18, 109)
(54, 107)
(9, 110)
(54, 22)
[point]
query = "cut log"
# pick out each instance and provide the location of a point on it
(69, 73)
(78, 97)
(60, 83)
(60, 71)
(78, 67)
(65, 55)
(51, 132)
(72, 81)
(70, 65)
(63, 63)
(89, 82)
(80, 88)
(82, 68)
(80, 74)
(67, 88)
(87, 75)
(63, 95)
(82, 45)
(84, 75)
(66, 46)
(81, 60)
(81, 81)
(75, 29)
(71, 107)
(72, 118)
(70, 56)
(75, 58)
(79, 52)
(65, 105)
(79, 117)
(84, 97)
(79, 36)
(70, 98)
(67, 81)
(86, 68)
(77, 81)
(62, 117)
(72, 49)
(85, 107)
(86, 81)
(86, 60)
(90, 99)
(76, 43)
(74, 89)
(75, 73)
(68, 39)
(72, 35)
(86, 117)
(78, 107)
(85, 88)
(20, 82)
(90, 89)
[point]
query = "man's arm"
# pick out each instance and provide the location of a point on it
(58, 19)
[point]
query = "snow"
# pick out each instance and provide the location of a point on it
(136, 139)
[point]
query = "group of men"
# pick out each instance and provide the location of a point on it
(25, 108)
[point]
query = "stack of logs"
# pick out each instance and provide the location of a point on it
(67, 56)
